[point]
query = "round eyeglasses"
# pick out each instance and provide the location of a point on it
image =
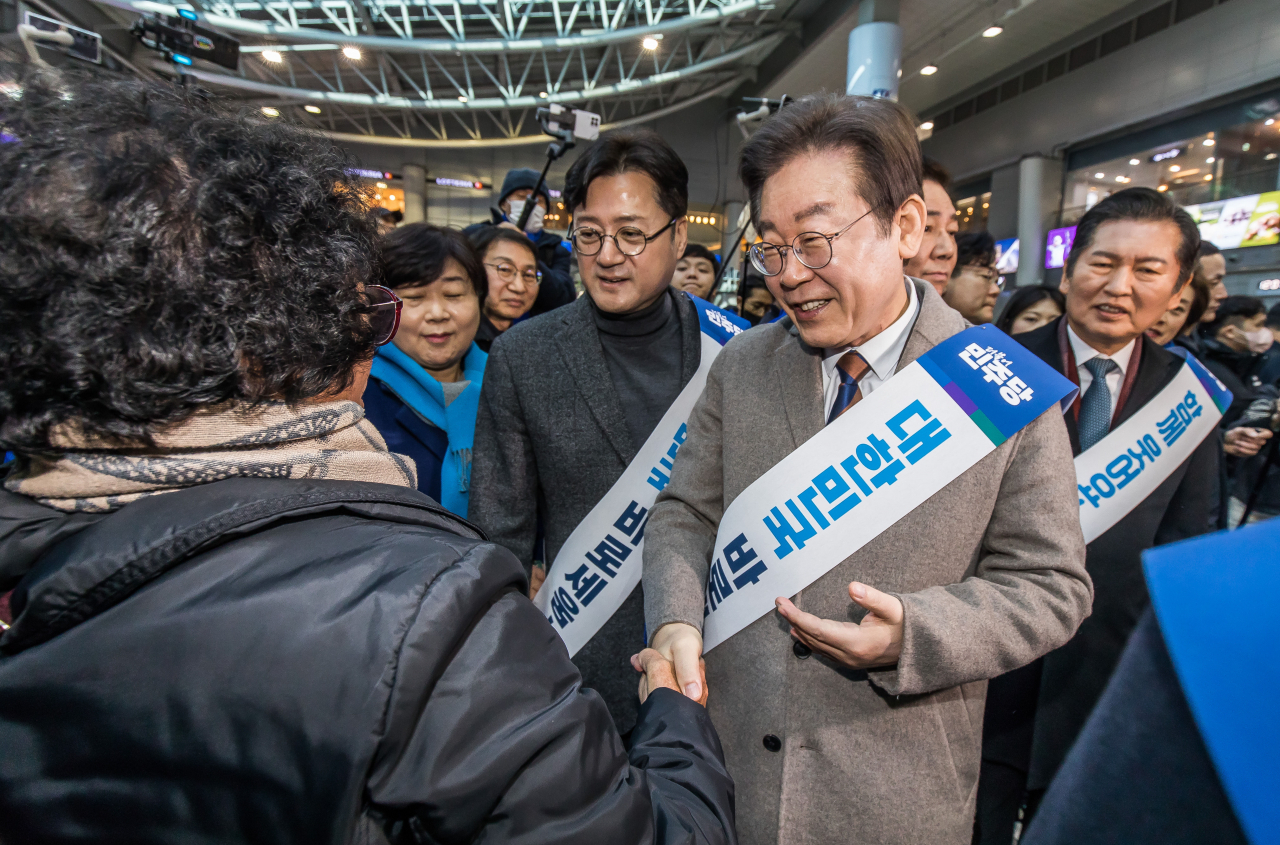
(508, 273)
(384, 313)
(629, 240)
(812, 249)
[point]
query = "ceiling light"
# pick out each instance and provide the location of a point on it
(1208, 142)
(1210, 160)
(1208, 176)
(1121, 179)
(1269, 157)
(1245, 147)
(927, 125)
(272, 56)
(992, 31)
(312, 109)
(986, 205)
(928, 70)
(1163, 188)
(269, 111)
(462, 98)
(542, 94)
(1268, 121)
(649, 43)
(1134, 161)
(352, 53)
(382, 184)
(1099, 176)
(1173, 168)
(393, 196)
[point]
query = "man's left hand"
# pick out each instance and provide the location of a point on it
(875, 641)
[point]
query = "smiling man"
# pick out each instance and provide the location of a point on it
(571, 396)
(935, 260)
(849, 714)
(1133, 253)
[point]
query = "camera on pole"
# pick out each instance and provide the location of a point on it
(566, 126)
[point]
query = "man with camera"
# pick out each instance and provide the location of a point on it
(575, 402)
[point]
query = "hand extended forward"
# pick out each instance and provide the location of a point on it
(875, 641)
(659, 672)
(681, 644)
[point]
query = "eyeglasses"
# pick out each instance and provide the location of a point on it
(991, 277)
(507, 273)
(629, 240)
(384, 313)
(812, 249)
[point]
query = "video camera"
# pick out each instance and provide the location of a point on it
(181, 40)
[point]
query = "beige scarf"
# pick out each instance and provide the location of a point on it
(332, 441)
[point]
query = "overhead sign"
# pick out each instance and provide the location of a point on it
(1252, 220)
(446, 182)
(369, 174)
(1167, 154)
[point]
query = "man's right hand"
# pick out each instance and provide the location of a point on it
(1245, 442)
(681, 643)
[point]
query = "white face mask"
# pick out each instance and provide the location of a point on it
(534, 223)
(1259, 340)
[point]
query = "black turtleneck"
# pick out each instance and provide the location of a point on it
(642, 351)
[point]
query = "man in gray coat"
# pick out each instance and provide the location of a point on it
(570, 397)
(854, 714)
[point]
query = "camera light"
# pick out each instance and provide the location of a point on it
(185, 61)
(188, 14)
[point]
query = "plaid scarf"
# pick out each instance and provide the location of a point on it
(332, 440)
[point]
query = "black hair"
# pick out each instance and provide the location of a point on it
(1234, 310)
(622, 150)
(753, 280)
(1273, 317)
(415, 255)
(486, 236)
(700, 251)
(163, 252)
(878, 135)
(1209, 248)
(974, 248)
(933, 171)
(1024, 298)
(1145, 204)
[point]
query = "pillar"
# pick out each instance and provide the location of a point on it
(1039, 199)
(875, 51)
(414, 177)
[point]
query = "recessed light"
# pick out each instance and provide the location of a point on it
(1269, 121)
(986, 205)
(1163, 188)
(1245, 147)
(1269, 157)
(382, 184)
(992, 31)
(1208, 142)
(1208, 176)
(1099, 176)
(462, 98)
(1134, 161)
(927, 125)
(393, 196)
(1173, 168)
(928, 70)
(312, 109)
(352, 53)
(649, 43)
(272, 56)
(270, 111)
(542, 94)
(1210, 160)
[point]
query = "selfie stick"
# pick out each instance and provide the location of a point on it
(565, 125)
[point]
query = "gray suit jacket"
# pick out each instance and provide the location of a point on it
(990, 571)
(550, 441)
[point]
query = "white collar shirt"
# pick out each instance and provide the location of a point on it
(881, 353)
(1084, 352)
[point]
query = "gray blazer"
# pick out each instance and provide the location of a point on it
(550, 441)
(990, 571)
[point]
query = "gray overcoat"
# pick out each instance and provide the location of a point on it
(550, 441)
(990, 571)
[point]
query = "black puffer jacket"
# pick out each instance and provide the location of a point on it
(316, 662)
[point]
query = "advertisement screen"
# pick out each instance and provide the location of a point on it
(1240, 221)
(1007, 256)
(1057, 246)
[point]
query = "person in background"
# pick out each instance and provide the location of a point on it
(514, 279)
(757, 301)
(1210, 294)
(1133, 253)
(696, 272)
(1231, 344)
(424, 388)
(936, 258)
(1187, 311)
(554, 261)
(570, 397)
(237, 621)
(1212, 267)
(1030, 308)
(975, 284)
(1267, 369)
(387, 220)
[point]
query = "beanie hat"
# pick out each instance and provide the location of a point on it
(523, 177)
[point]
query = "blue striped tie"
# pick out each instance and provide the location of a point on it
(1095, 406)
(849, 369)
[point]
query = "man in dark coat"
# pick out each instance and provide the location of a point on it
(1132, 254)
(570, 397)
(554, 261)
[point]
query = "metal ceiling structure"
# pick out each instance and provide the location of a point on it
(473, 72)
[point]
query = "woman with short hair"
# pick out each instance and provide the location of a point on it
(1030, 308)
(424, 388)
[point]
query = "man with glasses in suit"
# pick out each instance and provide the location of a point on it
(975, 285)
(571, 396)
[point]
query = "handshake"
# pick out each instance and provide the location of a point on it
(675, 662)
(658, 672)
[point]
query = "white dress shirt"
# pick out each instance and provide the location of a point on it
(1084, 352)
(880, 352)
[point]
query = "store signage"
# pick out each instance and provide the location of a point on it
(446, 182)
(1253, 220)
(1058, 247)
(1269, 285)
(1167, 154)
(369, 174)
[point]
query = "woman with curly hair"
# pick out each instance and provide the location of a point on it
(234, 618)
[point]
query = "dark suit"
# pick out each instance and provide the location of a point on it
(407, 434)
(1070, 679)
(551, 439)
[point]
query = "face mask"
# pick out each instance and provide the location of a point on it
(1259, 340)
(534, 223)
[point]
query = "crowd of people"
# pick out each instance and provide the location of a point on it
(290, 542)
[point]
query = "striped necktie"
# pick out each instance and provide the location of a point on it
(850, 369)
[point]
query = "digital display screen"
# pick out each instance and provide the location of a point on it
(1057, 246)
